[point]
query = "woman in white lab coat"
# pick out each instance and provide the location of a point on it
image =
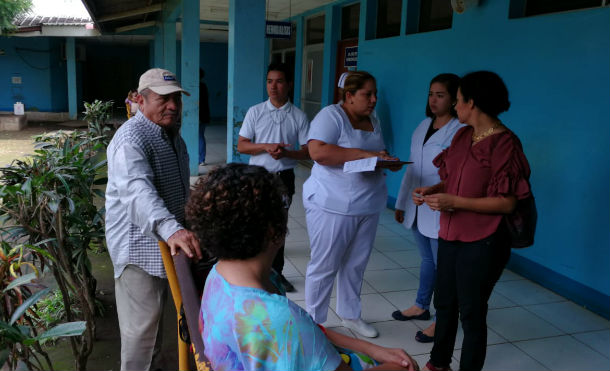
(429, 138)
(342, 209)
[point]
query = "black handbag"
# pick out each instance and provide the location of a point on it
(521, 224)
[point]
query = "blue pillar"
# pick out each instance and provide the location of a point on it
(331, 37)
(169, 45)
(158, 47)
(368, 15)
(151, 54)
(246, 67)
(71, 69)
(190, 81)
(266, 61)
(403, 17)
(298, 61)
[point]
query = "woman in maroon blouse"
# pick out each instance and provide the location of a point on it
(483, 174)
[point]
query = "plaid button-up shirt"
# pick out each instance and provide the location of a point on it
(148, 184)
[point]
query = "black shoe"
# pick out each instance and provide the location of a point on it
(287, 285)
(397, 315)
(423, 338)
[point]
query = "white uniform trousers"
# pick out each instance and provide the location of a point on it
(340, 246)
(140, 299)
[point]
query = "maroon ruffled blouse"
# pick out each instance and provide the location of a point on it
(494, 167)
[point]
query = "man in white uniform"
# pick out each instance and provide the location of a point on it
(271, 133)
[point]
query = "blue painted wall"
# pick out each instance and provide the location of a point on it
(43, 74)
(556, 70)
(213, 59)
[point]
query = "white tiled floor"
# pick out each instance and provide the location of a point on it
(529, 327)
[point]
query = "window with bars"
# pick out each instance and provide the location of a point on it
(388, 18)
(428, 15)
(350, 21)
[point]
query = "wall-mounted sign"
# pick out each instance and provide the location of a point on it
(278, 30)
(16, 80)
(351, 56)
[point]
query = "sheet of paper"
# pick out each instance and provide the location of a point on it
(358, 166)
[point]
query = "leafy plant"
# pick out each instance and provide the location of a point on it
(9, 10)
(97, 114)
(21, 335)
(51, 310)
(21, 342)
(49, 201)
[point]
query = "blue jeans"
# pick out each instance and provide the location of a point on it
(202, 142)
(428, 249)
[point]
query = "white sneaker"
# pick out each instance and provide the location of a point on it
(361, 327)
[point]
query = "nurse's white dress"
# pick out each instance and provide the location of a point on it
(342, 211)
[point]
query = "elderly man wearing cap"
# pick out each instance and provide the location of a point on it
(148, 184)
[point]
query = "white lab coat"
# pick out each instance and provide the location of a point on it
(423, 173)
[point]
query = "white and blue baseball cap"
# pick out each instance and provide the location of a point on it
(160, 81)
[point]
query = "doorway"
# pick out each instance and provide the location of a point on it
(313, 66)
(350, 22)
(341, 63)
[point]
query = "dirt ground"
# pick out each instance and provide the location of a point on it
(18, 144)
(107, 347)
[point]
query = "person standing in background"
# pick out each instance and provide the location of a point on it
(342, 209)
(131, 103)
(429, 138)
(483, 174)
(204, 115)
(274, 134)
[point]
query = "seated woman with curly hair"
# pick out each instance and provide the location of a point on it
(239, 214)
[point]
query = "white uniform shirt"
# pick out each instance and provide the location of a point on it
(422, 173)
(329, 187)
(264, 123)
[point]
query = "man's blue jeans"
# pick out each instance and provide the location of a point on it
(428, 249)
(202, 142)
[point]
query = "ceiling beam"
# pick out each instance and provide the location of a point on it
(135, 26)
(131, 13)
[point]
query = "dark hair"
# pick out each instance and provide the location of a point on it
(201, 73)
(487, 90)
(281, 67)
(236, 209)
(355, 81)
(451, 83)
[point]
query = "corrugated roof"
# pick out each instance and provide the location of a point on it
(39, 20)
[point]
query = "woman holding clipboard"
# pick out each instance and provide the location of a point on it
(342, 208)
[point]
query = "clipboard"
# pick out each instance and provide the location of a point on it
(386, 163)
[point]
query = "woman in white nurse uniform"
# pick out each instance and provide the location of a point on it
(433, 135)
(342, 209)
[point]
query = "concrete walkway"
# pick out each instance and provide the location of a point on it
(529, 327)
